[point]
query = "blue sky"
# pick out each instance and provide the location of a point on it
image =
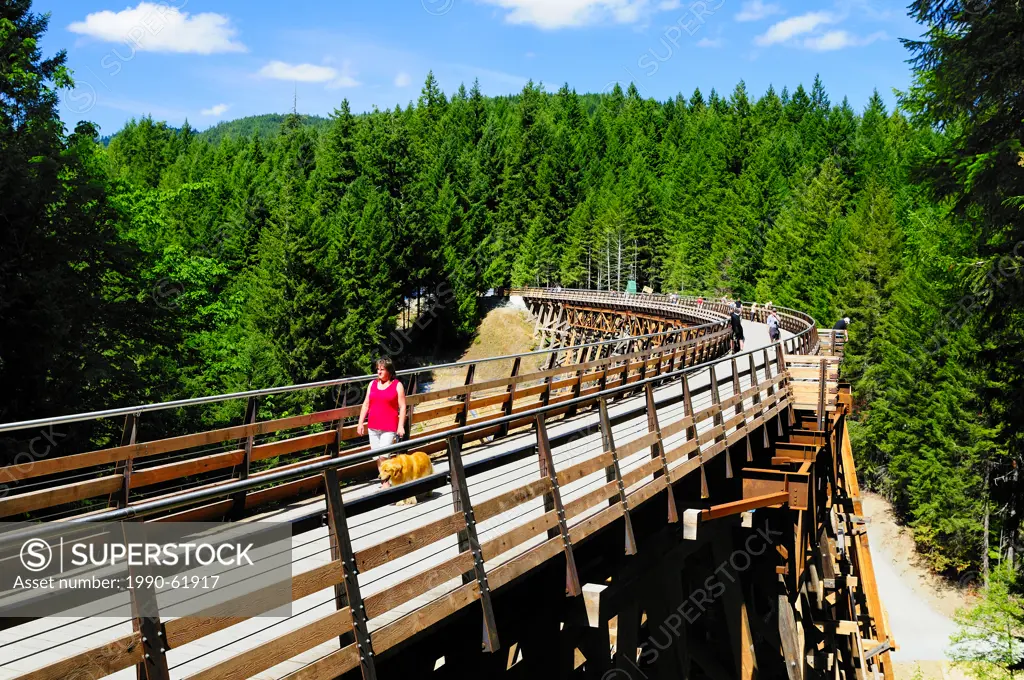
(212, 60)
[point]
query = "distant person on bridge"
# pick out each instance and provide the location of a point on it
(842, 324)
(736, 320)
(773, 326)
(384, 407)
(700, 301)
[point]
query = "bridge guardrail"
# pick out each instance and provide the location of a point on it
(667, 452)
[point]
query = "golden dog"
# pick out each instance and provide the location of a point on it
(405, 467)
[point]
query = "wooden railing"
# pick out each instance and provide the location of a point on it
(803, 326)
(720, 406)
(123, 473)
(689, 406)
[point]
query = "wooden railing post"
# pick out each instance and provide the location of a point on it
(602, 382)
(822, 389)
(128, 438)
(547, 462)
(578, 385)
(625, 376)
(461, 489)
(146, 620)
(338, 525)
(506, 408)
(757, 395)
(736, 390)
(691, 435)
(645, 355)
(718, 421)
(340, 596)
(545, 396)
(615, 472)
(675, 338)
(238, 499)
(771, 393)
(783, 368)
(462, 416)
(413, 386)
(658, 451)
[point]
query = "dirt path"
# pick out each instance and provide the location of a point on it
(920, 605)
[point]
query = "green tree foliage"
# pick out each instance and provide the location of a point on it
(69, 316)
(286, 248)
(969, 69)
(989, 642)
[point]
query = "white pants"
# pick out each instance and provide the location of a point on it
(380, 438)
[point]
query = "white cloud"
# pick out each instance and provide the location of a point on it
(215, 110)
(403, 79)
(794, 26)
(151, 27)
(305, 73)
(551, 14)
(755, 10)
(346, 78)
(709, 42)
(837, 40)
(666, 5)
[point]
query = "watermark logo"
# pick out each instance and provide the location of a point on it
(81, 98)
(36, 555)
(437, 7)
(166, 293)
(74, 570)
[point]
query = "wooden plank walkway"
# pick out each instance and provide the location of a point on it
(45, 641)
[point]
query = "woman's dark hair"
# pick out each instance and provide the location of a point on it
(388, 365)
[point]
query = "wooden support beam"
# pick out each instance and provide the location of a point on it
(736, 507)
(838, 627)
(742, 644)
(791, 647)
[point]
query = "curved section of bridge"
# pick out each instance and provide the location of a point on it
(630, 501)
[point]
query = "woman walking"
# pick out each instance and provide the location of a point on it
(773, 326)
(384, 407)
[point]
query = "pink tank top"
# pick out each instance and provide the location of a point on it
(383, 414)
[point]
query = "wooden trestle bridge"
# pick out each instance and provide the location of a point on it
(630, 501)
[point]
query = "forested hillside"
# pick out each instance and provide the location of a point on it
(173, 264)
(267, 125)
